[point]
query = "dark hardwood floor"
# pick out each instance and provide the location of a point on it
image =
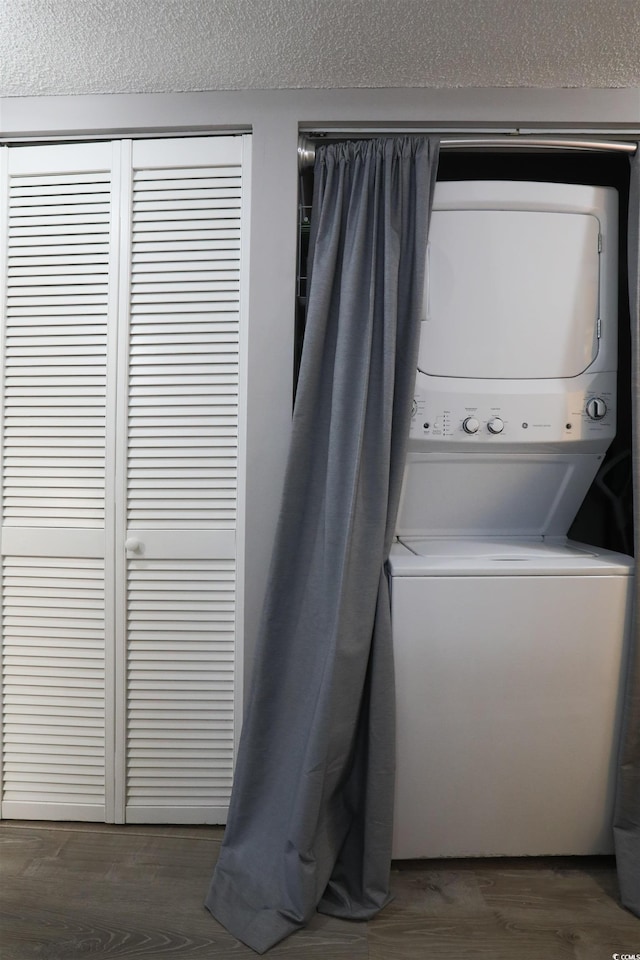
(71, 891)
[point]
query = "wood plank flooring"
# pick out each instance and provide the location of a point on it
(71, 891)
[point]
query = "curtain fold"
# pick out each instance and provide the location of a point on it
(627, 813)
(311, 813)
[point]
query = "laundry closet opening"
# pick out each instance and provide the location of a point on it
(605, 518)
(510, 577)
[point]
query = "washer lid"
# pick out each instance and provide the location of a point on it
(496, 548)
(425, 556)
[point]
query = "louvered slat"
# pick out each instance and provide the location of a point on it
(183, 350)
(53, 688)
(180, 713)
(56, 328)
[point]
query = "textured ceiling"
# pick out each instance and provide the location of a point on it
(153, 46)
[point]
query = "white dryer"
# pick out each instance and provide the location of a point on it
(509, 640)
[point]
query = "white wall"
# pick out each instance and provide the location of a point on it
(50, 47)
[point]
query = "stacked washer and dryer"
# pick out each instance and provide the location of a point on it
(510, 639)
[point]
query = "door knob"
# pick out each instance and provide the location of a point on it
(133, 545)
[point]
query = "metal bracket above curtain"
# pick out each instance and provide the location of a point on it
(307, 146)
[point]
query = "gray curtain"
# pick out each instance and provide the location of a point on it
(627, 815)
(311, 812)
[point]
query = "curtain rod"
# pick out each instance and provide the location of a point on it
(307, 148)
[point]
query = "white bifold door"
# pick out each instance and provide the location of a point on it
(124, 332)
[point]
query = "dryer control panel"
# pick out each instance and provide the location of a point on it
(542, 413)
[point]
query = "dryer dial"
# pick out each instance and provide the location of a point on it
(596, 408)
(471, 425)
(495, 425)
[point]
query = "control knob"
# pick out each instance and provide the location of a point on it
(471, 425)
(596, 408)
(495, 425)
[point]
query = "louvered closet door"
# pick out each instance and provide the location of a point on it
(187, 234)
(59, 267)
(122, 455)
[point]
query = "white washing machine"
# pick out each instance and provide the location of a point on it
(509, 640)
(509, 665)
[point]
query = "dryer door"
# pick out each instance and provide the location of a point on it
(511, 294)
